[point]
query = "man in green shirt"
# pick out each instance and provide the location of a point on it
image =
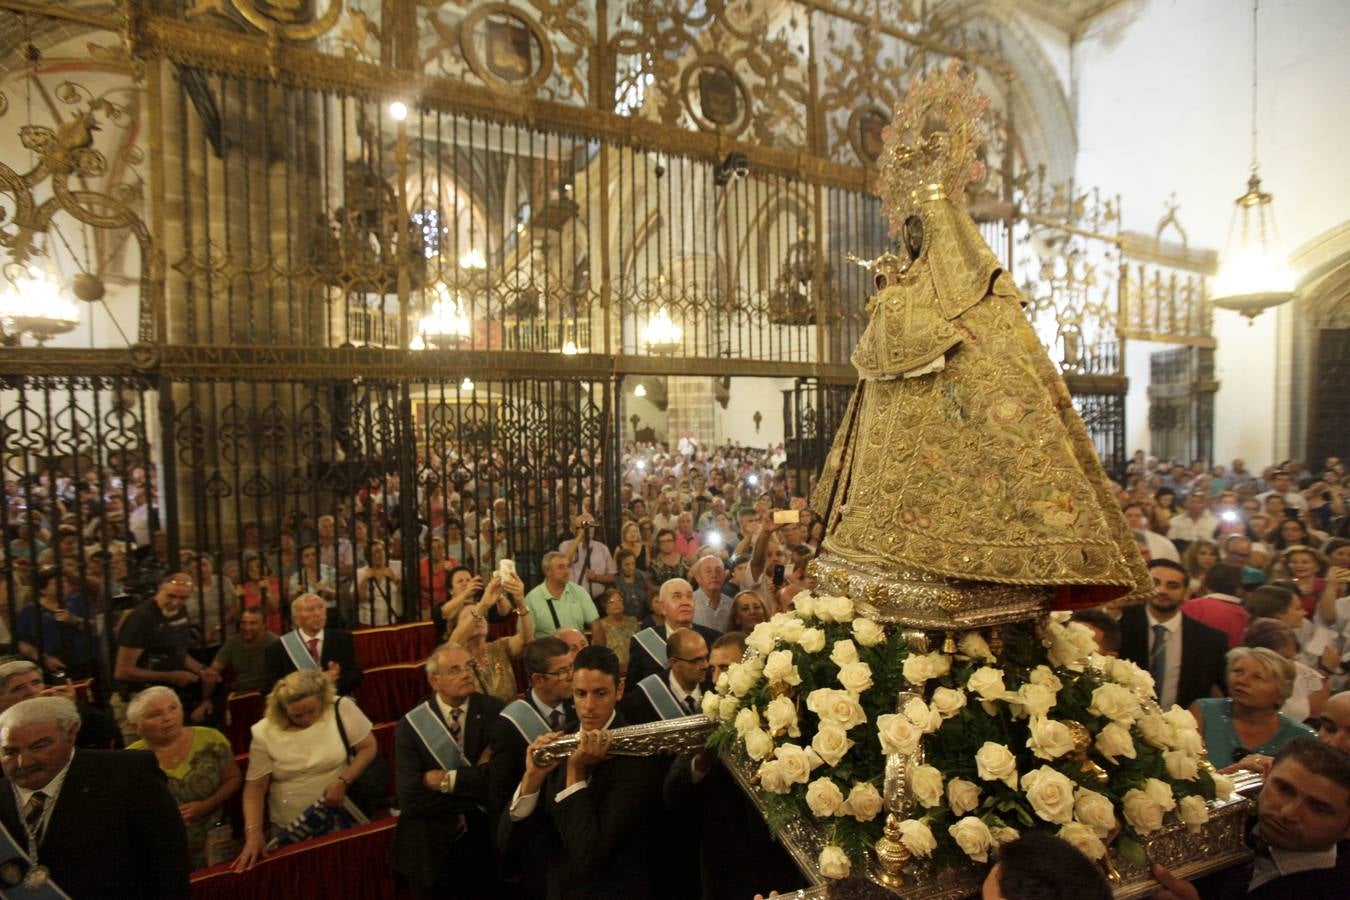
(244, 654)
(558, 603)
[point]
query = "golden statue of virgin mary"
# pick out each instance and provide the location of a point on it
(962, 489)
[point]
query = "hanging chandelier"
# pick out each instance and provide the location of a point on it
(445, 325)
(1254, 275)
(34, 304)
(663, 335)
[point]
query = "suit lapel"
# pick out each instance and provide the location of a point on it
(69, 803)
(1188, 676)
(9, 812)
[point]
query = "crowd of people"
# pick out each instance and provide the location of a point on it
(1249, 628)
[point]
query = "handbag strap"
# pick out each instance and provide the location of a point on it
(342, 732)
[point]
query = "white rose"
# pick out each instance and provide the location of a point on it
(788, 628)
(1095, 811)
(831, 743)
(834, 862)
(1049, 739)
(1161, 793)
(948, 701)
(988, 683)
(856, 677)
(1142, 812)
(758, 744)
(761, 638)
(1064, 651)
(864, 801)
(975, 646)
(1188, 742)
(1045, 676)
(939, 663)
(1083, 638)
(840, 609)
(804, 604)
(741, 678)
(1119, 704)
(868, 633)
(925, 783)
(1036, 700)
(1050, 794)
(1180, 719)
(723, 685)
(796, 762)
(710, 701)
(1115, 741)
(843, 652)
(995, 762)
(1084, 839)
(781, 716)
(1156, 730)
(1005, 834)
(1181, 766)
(824, 798)
(1124, 671)
(917, 669)
(898, 735)
(923, 716)
(1223, 787)
(1193, 812)
(917, 837)
(728, 707)
(972, 836)
(780, 670)
(836, 706)
(747, 720)
(773, 779)
(963, 796)
(812, 640)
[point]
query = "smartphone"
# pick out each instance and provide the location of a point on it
(506, 568)
(787, 516)
(779, 575)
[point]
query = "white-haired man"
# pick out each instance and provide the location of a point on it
(313, 645)
(96, 823)
(647, 649)
(21, 679)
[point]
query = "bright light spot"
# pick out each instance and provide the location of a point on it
(640, 391)
(417, 343)
(570, 348)
(473, 259)
(753, 479)
(398, 110)
(466, 385)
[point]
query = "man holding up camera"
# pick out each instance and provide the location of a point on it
(589, 561)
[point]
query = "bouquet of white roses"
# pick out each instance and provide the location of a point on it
(1045, 734)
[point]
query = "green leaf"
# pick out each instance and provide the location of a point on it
(1131, 852)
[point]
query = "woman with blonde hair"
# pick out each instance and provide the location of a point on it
(1249, 721)
(1197, 559)
(309, 746)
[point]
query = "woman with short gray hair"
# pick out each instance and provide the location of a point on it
(1249, 720)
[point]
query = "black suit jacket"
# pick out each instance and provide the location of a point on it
(440, 833)
(115, 831)
(1316, 884)
(640, 663)
(337, 647)
(1204, 652)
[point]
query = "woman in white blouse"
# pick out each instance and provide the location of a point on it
(298, 757)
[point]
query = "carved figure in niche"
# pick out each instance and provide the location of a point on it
(961, 456)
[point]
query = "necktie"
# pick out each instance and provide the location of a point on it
(455, 713)
(32, 812)
(555, 721)
(313, 648)
(1157, 657)
(689, 705)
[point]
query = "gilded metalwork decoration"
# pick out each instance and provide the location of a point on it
(669, 736)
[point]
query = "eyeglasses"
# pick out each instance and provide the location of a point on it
(564, 672)
(695, 660)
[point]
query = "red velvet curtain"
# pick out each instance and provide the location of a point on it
(391, 644)
(242, 709)
(387, 693)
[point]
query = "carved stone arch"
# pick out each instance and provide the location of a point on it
(1317, 359)
(1042, 114)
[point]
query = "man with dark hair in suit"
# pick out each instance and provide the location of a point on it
(676, 692)
(312, 645)
(647, 650)
(97, 823)
(1301, 836)
(1185, 657)
(443, 842)
(596, 807)
(546, 708)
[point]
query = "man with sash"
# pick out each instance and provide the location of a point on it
(83, 823)
(312, 645)
(678, 691)
(443, 842)
(647, 648)
(546, 708)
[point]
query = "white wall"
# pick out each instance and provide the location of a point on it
(1163, 104)
(737, 421)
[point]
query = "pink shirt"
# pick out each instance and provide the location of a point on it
(1221, 611)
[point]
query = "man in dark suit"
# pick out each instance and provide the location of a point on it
(1186, 658)
(443, 842)
(596, 808)
(676, 692)
(331, 649)
(646, 649)
(546, 708)
(102, 822)
(1301, 838)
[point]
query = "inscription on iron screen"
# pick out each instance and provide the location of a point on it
(510, 46)
(719, 96)
(867, 136)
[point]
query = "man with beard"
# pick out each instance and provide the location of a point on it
(1184, 656)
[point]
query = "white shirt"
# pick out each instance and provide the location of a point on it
(1160, 547)
(718, 619)
(1293, 498)
(545, 709)
(302, 763)
(52, 789)
(306, 638)
(680, 694)
(1289, 862)
(1167, 691)
(1184, 528)
(522, 806)
(594, 556)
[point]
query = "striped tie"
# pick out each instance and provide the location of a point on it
(455, 713)
(32, 812)
(1157, 657)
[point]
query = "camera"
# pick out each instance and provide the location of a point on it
(779, 575)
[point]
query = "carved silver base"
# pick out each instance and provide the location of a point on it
(671, 736)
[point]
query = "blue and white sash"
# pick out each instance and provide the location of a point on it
(663, 701)
(435, 736)
(15, 864)
(654, 644)
(527, 720)
(298, 652)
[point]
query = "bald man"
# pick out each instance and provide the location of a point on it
(647, 652)
(1335, 724)
(678, 691)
